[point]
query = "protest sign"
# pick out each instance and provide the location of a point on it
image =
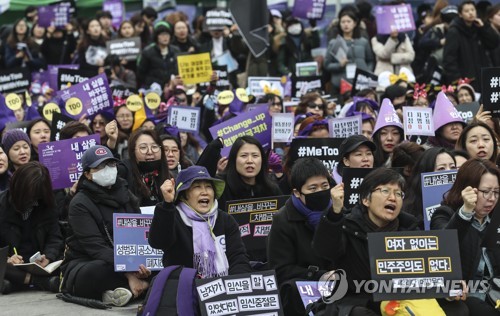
(126, 48)
(255, 216)
(49, 109)
(352, 179)
(306, 69)
(117, 10)
(185, 118)
(253, 28)
(290, 106)
(325, 149)
(394, 18)
(88, 97)
(345, 127)
(418, 121)
(302, 85)
(72, 76)
(256, 123)
(14, 80)
(131, 246)
(490, 81)
(309, 9)
(434, 186)
(415, 264)
(217, 19)
(6, 114)
(58, 122)
(364, 80)
(63, 159)
(195, 68)
(256, 85)
(122, 92)
(311, 291)
(221, 84)
(282, 131)
(40, 82)
(254, 293)
(467, 111)
(54, 15)
(53, 71)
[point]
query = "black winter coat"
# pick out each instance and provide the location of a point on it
(469, 240)
(45, 233)
(169, 233)
(153, 67)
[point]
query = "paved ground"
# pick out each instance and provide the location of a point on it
(33, 303)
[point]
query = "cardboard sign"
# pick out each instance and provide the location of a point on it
(63, 159)
(283, 128)
(352, 179)
(256, 89)
(195, 68)
(309, 9)
(54, 15)
(117, 10)
(126, 48)
(14, 80)
(325, 149)
(306, 69)
(256, 123)
(131, 246)
(58, 123)
(415, 264)
(364, 80)
(345, 127)
(88, 97)
(434, 186)
(394, 18)
(418, 121)
(72, 76)
(302, 85)
(468, 111)
(254, 293)
(185, 118)
(255, 216)
(490, 81)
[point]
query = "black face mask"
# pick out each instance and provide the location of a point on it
(318, 201)
(149, 166)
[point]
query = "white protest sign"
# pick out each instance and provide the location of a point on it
(345, 127)
(282, 131)
(418, 121)
(185, 118)
(256, 89)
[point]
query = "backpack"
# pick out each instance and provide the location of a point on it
(172, 292)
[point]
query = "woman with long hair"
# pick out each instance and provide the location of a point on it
(92, 47)
(21, 50)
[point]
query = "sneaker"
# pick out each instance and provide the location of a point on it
(118, 297)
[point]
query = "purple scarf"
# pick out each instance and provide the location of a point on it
(313, 217)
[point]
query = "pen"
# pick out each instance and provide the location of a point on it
(15, 250)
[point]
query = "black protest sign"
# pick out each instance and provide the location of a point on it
(325, 149)
(253, 27)
(222, 84)
(254, 293)
(72, 76)
(491, 238)
(217, 19)
(127, 48)
(364, 80)
(254, 216)
(14, 80)
(122, 92)
(468, 111)
(414, 264)
(58, 122)
(490, 79)
(352, 179)
(302, 85)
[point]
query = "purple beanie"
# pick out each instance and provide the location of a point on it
(13, 136)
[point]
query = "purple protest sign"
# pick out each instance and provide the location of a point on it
(434, 186)
(309, 9)
(117, 10)
(130, 236)
(40, 82)
(394, 18)
(256, 123)
(88, 97)
(63, 157)
(54, 15)
(53, 71)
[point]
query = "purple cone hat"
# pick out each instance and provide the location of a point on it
(445, 112)
(387, 117)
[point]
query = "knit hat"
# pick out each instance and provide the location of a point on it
(387, 117)
(445, 112)
(161, 27)
(13, 136)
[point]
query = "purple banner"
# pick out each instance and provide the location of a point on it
(89, 97)
(54, 15)
(130, 235)
(309, 9)
(63, 157)
(256, 123)
(394, 18)
(53, 71)
(117, 10)
(434, 186)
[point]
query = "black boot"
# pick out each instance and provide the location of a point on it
(6, 287)
(50, 284)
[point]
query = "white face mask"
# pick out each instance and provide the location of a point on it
(105, 177)
(294, 29)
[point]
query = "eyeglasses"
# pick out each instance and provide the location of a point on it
(487, 194)
(143, 149)
(387, 192)
(109, 163)
(124, 116)
(173, 151)
(315, 106)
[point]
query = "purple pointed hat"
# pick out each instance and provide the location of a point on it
(445, 112)
(387, 117)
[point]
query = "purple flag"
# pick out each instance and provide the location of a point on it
(63, 159)
(117, 11)
(54, 15)
(309, 9)
(394, 18)
(256, 123)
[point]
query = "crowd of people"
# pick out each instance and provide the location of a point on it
(145, 162)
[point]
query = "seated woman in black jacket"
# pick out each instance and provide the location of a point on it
(191, 230)
(28, 224)
(89, 264)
